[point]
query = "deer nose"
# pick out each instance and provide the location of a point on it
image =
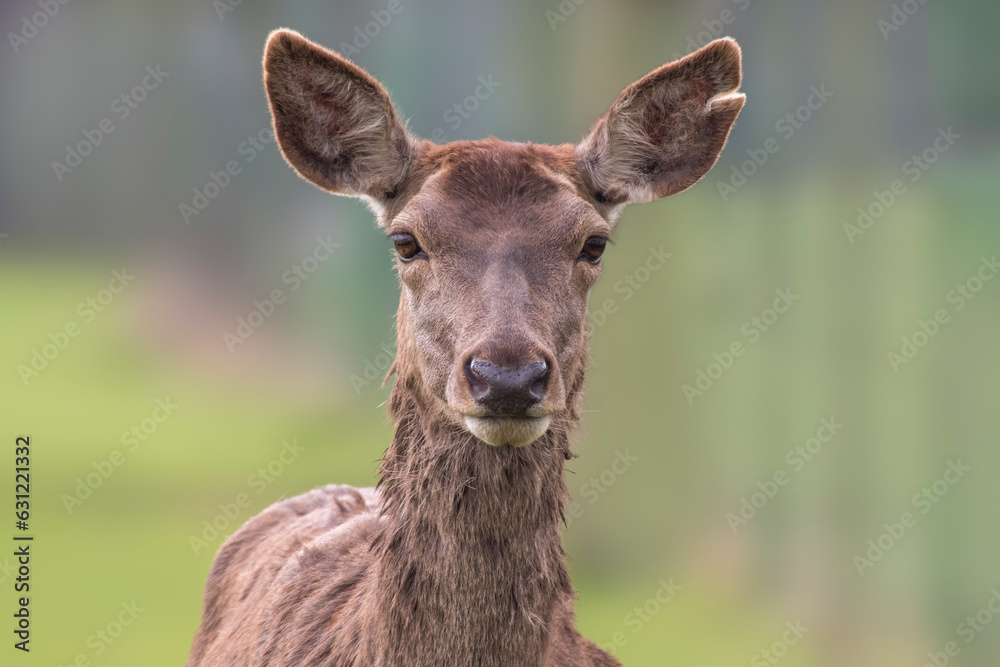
(507, 392)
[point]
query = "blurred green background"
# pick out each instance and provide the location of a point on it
(891, 76)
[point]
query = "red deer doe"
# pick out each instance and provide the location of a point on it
(455, 557)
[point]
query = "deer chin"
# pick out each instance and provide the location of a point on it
(513, 431)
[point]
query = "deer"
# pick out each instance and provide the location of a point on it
(455, 556)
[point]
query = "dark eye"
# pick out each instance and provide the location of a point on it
(407, 247)
(593, 249)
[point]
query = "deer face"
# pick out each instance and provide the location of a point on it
(496, 254)
(498, 244)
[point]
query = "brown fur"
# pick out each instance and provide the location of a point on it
(455, 559)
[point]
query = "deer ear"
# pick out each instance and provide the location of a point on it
(666, 130)
(335, 124)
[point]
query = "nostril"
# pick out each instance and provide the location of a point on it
(540, 384)
(479, 387)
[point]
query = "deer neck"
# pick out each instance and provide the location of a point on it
(470, 567)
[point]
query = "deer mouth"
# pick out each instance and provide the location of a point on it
(512, 431)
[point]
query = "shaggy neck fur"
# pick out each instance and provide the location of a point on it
(469, 569)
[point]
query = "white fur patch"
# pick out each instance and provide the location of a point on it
(499, 431)
(374, 205)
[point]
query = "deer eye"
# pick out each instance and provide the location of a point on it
(593, 249)
(407, 247)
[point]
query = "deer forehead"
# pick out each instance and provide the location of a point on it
(495, 196)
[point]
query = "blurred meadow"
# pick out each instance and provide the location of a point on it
(765, 490)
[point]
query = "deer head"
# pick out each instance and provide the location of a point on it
(498, 244)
